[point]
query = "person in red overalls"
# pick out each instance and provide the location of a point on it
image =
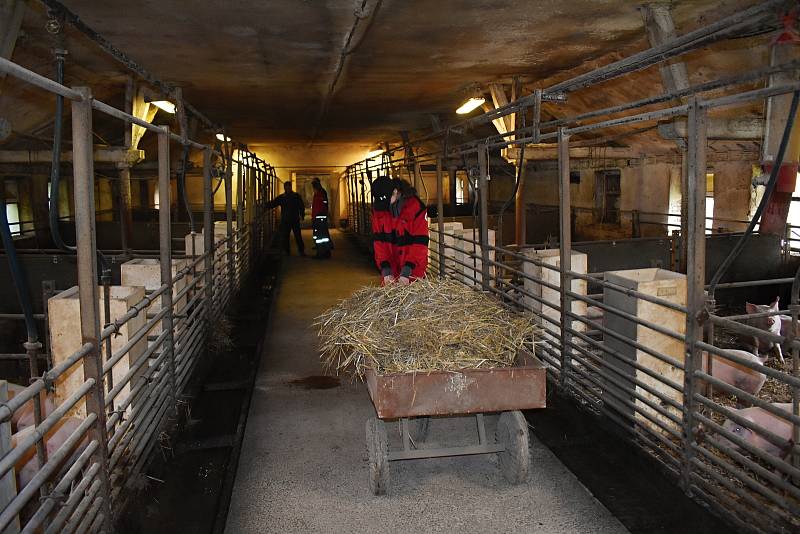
(399, 231)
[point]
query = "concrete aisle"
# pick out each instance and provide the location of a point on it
(303, 465)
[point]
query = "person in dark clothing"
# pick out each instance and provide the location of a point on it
(292, 211)
(319, 221)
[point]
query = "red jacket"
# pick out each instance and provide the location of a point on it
(319, 206)
(402, 241)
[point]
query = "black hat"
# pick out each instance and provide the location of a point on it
(382, 189)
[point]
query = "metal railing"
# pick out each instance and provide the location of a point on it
(116, 395)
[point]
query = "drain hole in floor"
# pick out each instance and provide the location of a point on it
(316, 382)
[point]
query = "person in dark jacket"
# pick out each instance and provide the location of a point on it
(292, 211)
(319, 220)
(399, 230)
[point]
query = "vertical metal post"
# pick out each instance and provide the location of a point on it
(682, 261)
(483, 185)
(695, 277)
(165, 255)
(229, 219)
(208, 234)
(565, 257)
(363, 211)
(239, 202)
(86, 239)
(440, 214)
(250, 200)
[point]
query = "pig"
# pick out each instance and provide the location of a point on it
(771, 324)
(761, 417)
(26, 467)
(23, 417)
(735, 374)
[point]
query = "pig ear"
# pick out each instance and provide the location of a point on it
(775, 304)
(751, 308)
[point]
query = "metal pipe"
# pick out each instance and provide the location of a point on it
(440, 214)
(565, 253)
(79, 494)
(165, 255)
(483, 184)
(208, 235)
(83, 183)
(695, 277)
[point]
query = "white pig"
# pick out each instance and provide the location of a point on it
(23, 417)
(26, 466)
(736, 374)
(764, 419)
(771, 324)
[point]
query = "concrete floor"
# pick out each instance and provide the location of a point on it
(303, 465)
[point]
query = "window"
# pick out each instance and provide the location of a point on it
(607, 194)
(12, 213)
(462, 189)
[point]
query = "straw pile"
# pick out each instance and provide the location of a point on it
(430, 325)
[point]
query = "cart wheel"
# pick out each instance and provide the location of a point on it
(378, 449)
(419, 429)
(512, 433)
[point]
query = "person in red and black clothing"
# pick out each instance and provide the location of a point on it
(319, 221)
(399, 230)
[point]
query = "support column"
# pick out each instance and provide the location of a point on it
(773, 220)
(229, 220)
(208, 236)
(565, 249)
(440, 214)
(83, 180)
(695, 279)
(483, 164)
(165, 255)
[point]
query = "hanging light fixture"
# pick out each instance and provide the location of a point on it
(471, 104)
(164, 105)
(474, 101)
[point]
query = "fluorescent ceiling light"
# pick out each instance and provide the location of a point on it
(221, 137)
(471, 104)
(374, 153)
(164, 105)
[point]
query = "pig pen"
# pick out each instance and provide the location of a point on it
(616, 373)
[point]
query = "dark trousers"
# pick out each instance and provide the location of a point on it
(294, 227)
(322, 238)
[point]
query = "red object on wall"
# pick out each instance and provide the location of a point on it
(773, 220)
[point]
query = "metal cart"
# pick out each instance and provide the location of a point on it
(414, 397)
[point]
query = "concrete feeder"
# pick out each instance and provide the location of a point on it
(665, 285)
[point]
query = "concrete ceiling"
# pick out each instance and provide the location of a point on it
(262, 68)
